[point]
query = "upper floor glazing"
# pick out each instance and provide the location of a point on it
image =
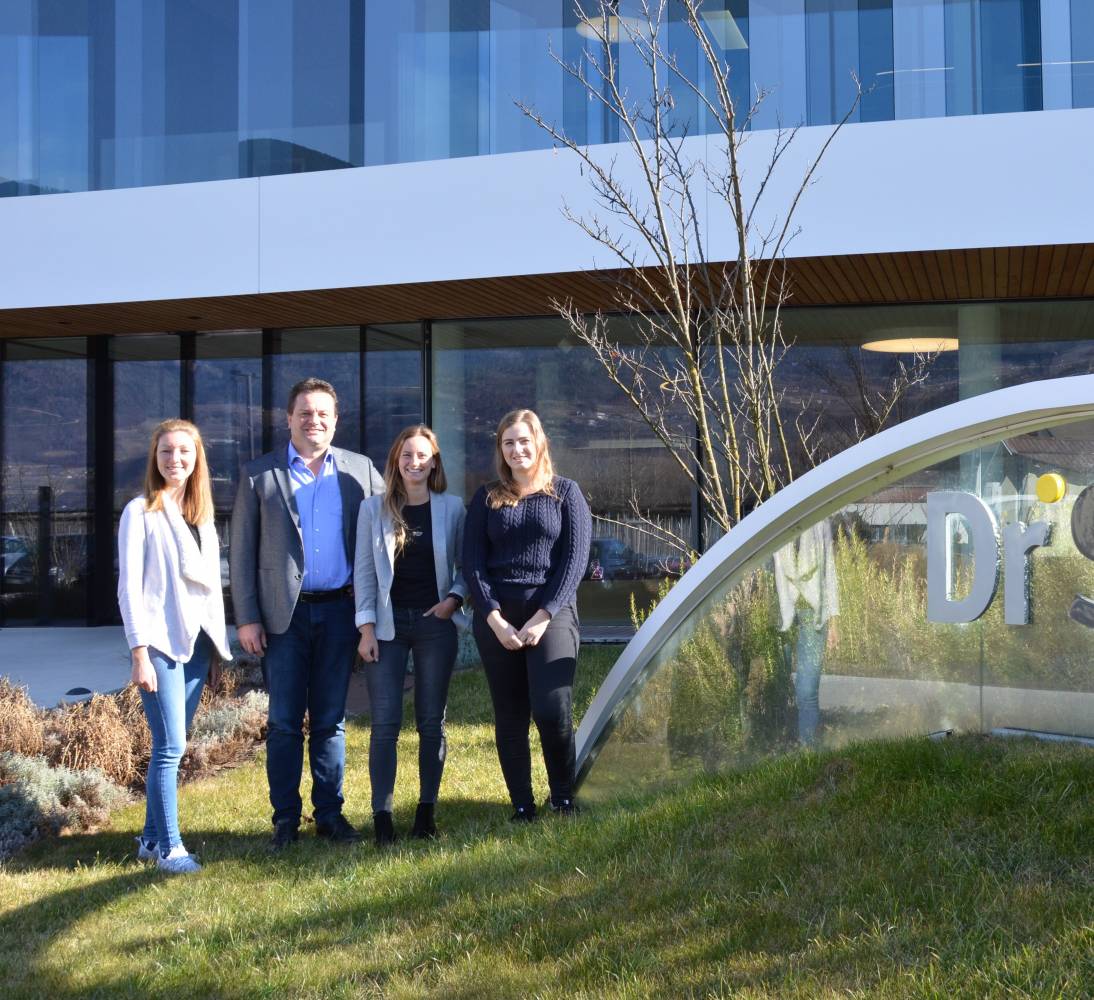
(100, 94)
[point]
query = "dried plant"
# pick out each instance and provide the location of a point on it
(705, 333)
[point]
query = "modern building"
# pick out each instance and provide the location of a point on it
(205, 200)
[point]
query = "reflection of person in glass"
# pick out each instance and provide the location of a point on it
(805, 579)
(173, 611)
(408, 544)
(526, 547)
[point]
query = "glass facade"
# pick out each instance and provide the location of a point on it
(833, 637)
(77, 413)
(100, 94)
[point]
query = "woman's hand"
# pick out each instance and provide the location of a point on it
(443, 609)
(507, 635)
(368, 648)
(534, 628)
(143, 674)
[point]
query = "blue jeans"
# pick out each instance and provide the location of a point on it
(170, 710)
(434, 643)
(807, 674)
(307, 669)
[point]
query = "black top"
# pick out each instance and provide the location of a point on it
(195, 532)
(415, 582)
(541, 544)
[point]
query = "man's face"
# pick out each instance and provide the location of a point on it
(312, 422)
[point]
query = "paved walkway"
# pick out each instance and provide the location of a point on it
(51, 662)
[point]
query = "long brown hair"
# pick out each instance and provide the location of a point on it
(505, 492)
(197, 495)
(395, 497)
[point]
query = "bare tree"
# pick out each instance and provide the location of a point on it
(705, 334)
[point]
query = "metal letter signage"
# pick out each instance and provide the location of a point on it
(983, 532)
(1018, 542)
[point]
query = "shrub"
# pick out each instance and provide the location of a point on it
(38, 800)
(222, 733)
(20, 721)
(95, 735)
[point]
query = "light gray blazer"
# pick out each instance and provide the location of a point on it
(168, 588)
(374, 563)
(267, 553)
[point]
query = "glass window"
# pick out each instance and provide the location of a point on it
(227, 405)
(297, 86)
(829, 638)
(777, 61)
(482, 370)
(393, 385)
(45, 500)
(147, 383)
(993, 53)
(227, 408)
(1082, 54)
(331, 353)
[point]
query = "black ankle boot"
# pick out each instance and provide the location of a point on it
(424, 828)
(524, 814)
(383, 829)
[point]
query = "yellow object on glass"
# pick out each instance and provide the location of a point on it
(1051, 487)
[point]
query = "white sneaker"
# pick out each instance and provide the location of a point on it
(178, 862)
(146, 849)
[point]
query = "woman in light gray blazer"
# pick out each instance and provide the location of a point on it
(409, 596)
(170, 598)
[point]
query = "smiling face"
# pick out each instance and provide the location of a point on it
(518, 448)
(176, 454)
(312, 422)
(416, 462)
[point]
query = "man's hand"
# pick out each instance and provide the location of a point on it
(252, 638)
(534, 628)
(443, 609)
(143, 674)
(507, 635)
(368, 648)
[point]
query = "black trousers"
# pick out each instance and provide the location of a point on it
(534, 683)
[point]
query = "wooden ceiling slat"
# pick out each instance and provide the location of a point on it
(944, 263)
(884, 286)
(987, 273)
(960, 268)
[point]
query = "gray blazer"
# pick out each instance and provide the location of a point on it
(374, 563)
(267, 553)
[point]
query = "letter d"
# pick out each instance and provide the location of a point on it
(984, 539)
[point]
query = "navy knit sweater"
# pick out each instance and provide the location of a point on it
(541, 544)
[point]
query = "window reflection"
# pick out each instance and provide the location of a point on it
(482, 370)
(331, 353)
(146, 390)
(141, 92)
(393, 385)
(45, 502)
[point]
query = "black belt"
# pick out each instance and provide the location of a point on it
(320, 596)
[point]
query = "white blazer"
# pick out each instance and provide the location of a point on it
(374, 561)
(168, 588)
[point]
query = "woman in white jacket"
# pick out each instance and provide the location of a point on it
(409, 595)
(170, 597)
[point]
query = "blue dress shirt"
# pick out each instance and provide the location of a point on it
(319, 503)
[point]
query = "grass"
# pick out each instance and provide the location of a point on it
(911, 869)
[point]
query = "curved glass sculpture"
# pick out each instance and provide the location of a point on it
(914, 583)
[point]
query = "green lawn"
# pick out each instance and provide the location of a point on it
(956, 869)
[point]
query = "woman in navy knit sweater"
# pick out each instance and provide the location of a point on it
(525, 549)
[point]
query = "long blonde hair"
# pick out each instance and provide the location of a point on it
(197, 496)
(395, 496)
(505, 492)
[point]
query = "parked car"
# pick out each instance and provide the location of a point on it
(611, 559)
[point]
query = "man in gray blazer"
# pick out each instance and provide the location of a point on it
(294, 531)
